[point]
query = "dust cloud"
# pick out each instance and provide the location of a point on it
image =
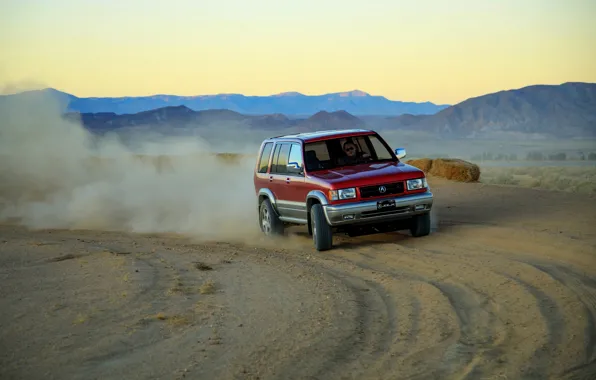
(56, 174)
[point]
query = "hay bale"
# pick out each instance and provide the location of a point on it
(453, 169)
(423, 164)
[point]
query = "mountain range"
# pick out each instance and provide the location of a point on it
(567, 110)
(178, 118)
(289, 103)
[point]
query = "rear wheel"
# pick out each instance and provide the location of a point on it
(420, 225)
(268, 220)
(322, 235)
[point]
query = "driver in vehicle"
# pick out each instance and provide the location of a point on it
(353, 154)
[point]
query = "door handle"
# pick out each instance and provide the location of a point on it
(288, 180)
(270, 178)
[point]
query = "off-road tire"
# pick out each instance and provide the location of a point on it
(420, 225)
(322, 235)
(274, 226)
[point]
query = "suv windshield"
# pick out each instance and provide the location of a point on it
(347, 151)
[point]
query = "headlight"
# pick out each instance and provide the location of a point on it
(342, 194)
(416, 184)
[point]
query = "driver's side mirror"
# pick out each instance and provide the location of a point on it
(400, 153)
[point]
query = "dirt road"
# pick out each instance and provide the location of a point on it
(505, 288)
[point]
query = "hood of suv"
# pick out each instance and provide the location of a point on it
(368, 174)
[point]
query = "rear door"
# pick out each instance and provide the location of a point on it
(275, 177)
(287, 181)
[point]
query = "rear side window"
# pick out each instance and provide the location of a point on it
(280, 162)
(264, 159)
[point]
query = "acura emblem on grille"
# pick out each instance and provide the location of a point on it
(382, 189)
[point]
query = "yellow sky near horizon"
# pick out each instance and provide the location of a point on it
(424, 50)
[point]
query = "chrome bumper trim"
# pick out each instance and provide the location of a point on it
(367, 212)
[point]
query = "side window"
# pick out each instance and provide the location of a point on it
(281, 159)
(380, 150)
(274, 158)
(316, 156)
(295, 159)
(264, 159)
(320, 150)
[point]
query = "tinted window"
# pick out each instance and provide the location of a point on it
(274, 159)
(381, 151)
(281, 159)
(264, 159)
(295, 159)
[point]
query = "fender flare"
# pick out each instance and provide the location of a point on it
(318, 195)
(322, 198)
(266, 193)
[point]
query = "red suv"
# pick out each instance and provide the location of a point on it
(344, 180)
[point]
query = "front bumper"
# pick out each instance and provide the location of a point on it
(366, 212)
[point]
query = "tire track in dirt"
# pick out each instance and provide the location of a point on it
(565, 297)
(552, 317)
(370, 337)
(393, 351)
(356, 328)
(463, 335)
(121, 331)
(488, 333)
(585, 290)
(166, 295)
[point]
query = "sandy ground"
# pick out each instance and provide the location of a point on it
(505, 288)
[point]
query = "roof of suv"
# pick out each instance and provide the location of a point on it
(321, 135)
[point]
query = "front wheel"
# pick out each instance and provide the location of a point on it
(420, 225)
(322, 235)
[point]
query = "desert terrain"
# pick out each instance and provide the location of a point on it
(504, 288)
(144, 262)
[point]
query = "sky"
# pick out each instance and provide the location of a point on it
(424, 50)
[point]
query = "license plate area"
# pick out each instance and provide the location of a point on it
(388, 204)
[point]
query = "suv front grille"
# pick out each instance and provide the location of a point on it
(374, 191)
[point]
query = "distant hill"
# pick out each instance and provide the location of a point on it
(289, 103)
(567, 110)
(324, 120)
(181, 117)
(394, 122)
